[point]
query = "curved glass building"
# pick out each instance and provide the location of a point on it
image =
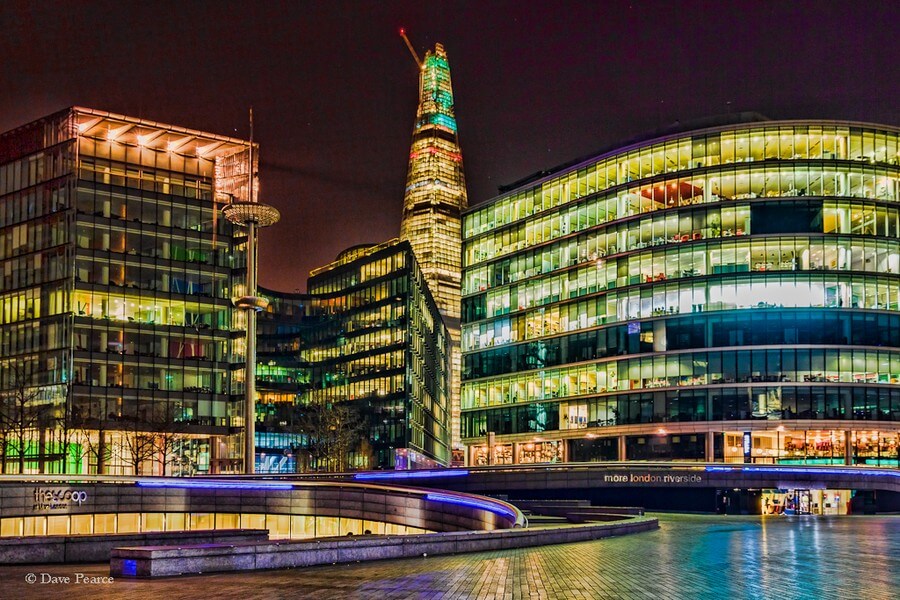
(727, 294)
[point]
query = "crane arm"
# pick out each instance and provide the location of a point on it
(411, 49)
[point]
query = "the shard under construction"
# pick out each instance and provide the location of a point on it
(435, 196)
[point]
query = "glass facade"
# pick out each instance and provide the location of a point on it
(745, 276)
(282, 378)
(116, 310)
(368, 336)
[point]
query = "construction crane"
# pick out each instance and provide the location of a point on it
(411, 49)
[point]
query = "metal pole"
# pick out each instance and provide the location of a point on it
(250, 349)
(253, 216)
(250, 359)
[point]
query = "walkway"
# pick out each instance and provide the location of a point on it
(711, 557)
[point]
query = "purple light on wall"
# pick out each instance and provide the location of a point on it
(413, 474)
(806, 471)
(217, 485)
(487, 505)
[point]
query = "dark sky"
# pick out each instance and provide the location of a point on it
(536, 84)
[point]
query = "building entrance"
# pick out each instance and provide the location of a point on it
(805, 502)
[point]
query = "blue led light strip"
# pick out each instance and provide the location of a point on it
(806, 471)
(413, 474)
(487, 505)
(216, 485)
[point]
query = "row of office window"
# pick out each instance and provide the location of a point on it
(33, 336)
(323, 282)
(761, 184)
(140, 243)
(715, 404)
(33, 202)
(33, 236)
(148, 373)
(768, 254)
(279, 526)
(783, 142)
(150, 343)
(151, 308)
(728, 292)
(27, 172)
(151, 275)
(37, 268)
(705, 330)
(687, 369)
(676, 229)
(112, 208)
(175, 182)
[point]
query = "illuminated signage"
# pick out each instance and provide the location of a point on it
(646, 477)
(57, 498)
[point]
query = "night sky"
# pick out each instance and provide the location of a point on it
(536, 84)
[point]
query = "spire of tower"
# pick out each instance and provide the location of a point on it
(435, 186)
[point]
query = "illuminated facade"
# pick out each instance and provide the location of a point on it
(282, 377)
(367, 336)
(724, 294)
(118, 274)
(435, 197)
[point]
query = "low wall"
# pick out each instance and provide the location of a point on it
(562, 508)
(43, 497)
(97, 548)
(170, 561)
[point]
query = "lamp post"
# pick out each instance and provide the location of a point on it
(253, 216)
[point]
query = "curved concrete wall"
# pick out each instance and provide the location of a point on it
(424, 509)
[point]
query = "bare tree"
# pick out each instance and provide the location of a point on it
(20, 416)
(139, 444)
(171, 431)
(331, 433)
(89, 431)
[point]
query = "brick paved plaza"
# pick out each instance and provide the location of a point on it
(689, 557)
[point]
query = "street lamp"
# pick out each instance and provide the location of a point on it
(252, 215)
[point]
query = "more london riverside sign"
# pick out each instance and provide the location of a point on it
(653, 478)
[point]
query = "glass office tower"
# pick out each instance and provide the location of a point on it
(725, 294)
(282, 378)
(116, 318)
(435, 198)
(367, 337)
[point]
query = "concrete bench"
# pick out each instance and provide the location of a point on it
(97, 548)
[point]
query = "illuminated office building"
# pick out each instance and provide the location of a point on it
(282, 377)
(367, 336)
(435, 197)
(728, 294)
(117, 275)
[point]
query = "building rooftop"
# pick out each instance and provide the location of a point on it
(144, 133)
